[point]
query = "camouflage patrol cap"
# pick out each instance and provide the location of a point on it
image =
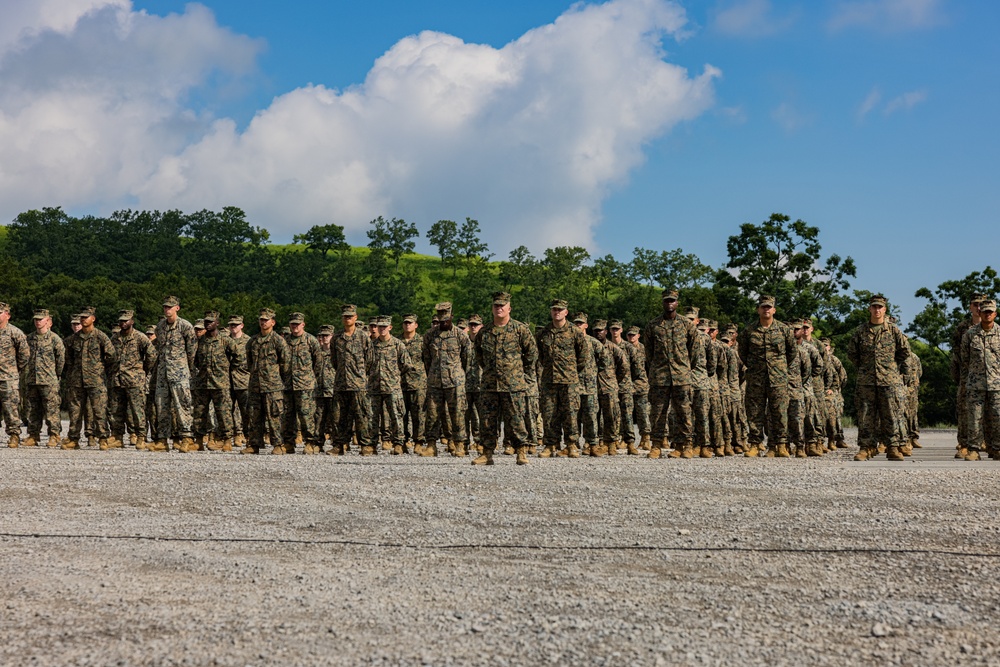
(41, 313)
(633, 331)
(703, 326)
(326, 330)
(435, 319)
(724, 335)
(211, 316)
(235, 319)
(87, 311)
(116, 329)
(296, 318)
(712, 324)
(600, 325)
(126, 315)
(795, 324)
(765, 300)
(475, 320)
(75, 319)
(410, 317)
(558, 304)
(372, 320)
(150, 330)
(443, 307)
(825, 340)
(615, 324)
(877, 300)
(732, 328)
(265, 314)
(988, 306)
(4, 307)
(199, 324)
(978, 298)
(580, 318)
(383, 321)
(171, 301)
(462, 324)
(348, 310)
(691, 311)
(501, 298)
(285, 331)
(670, 295)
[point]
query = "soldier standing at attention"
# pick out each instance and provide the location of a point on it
(671, 342)
(306, 363)
(957, 372)
(446, 354)
(267, 360)
(14, 355)
(701, 410)
(912, 382)
(562, 351)
(414, 385)
(239, 380)
(626, 403)
(213, 361)
(767, 347)
(879, 352)
(980, 352)
(326, 422)
(612, 374)
(151, 416)
(390, 361)
(472, 375)
(352, 357)
(588, 387)
(506, 351)
(176, 344)
(640, 388)
(46, 362)
(89, 356)
(127, 404)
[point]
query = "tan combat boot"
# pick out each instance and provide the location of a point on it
(68, 443)
(227, 445)
(546, 452)
(430, 449)
(397, 450)
(893, 454)
(645, 443)
(140, 444)
(484, 459)
(706, 452)
(564, 452)
(30, 441)
(915, 444)
(159, 445)
(103, 444)
(720, 451)
(906, 450)
(752, 452)
(728, 451)
(689, 451)
(862, 455)
(961, 453)
(54, 441)
(572, 452)
(14, 442)
(250, 449)
(522, 455)
(973, 455)
(448, 445)
(460, 450)
(800, 452)
(240, 440)
(215, 444)
(814, 449)
(599, 450)
(508, 450)
(190, 445)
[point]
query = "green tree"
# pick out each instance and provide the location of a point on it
(469, 244)
(392, 237)
(947, 305)
(323, 239)
(443, 235)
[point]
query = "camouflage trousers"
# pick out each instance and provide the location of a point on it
(766, 402)
(533, 420)
(300, 415)
(43, 407)
(587, 418)
(509, 409)
(716, 434)
(92, 401)
(640, 412)
(802, 418)
(982, 413)
(413, 414)
(127, 408)
(354, 417)
(386, 411)
(560, 405)
(879, 416)
(661, 400)
(152, 423)
(701, 417)
(472, 415)
(222, 402)
(960, 410)
(326, 418)
(445, 413)
(626, 432)
(173, 403)
(732, 421)
(266, 411)
(611, 416)
(832, 427)
(912, 409)
(240, 401)
(10, 405)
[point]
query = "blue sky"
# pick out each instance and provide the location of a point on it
(633, 123)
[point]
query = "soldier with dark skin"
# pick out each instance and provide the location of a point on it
(136, 357)
(269, 365)
(390, 362)
(89, 357)
(414, 385)
(561, 355)
(213, 367)
(351, 354)
(980, 359)
(45, 366)
(305, 364)
(239, 380)
(767, 347)
(446, 354)
(176, 343)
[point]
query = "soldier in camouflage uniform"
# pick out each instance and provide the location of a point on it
(507, 354)
(213, 368)
(472, 376)
(640, 388)
(151, 415)
(806, 369)
(326, 401)
(305, 364)
(980, 359)
(414, 385)
(671, 343)
(446, 354)
(269, 365)
(127, 403)
(957, 373)
(176, 343)
(626, 402)
(390, 362)
(767, 347)
(613, 373)
(45, 366)
(352, 358)
(818, 386)
(701, 389)
(562, 350)
(713, 356)
(89, 357)
(835, 379)
(14, 355)
(912, 382)
(720, 391)
(587, 417)
(880, 353)
(731, 390)
(239, 380)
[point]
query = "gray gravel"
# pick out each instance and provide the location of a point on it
(126, 557)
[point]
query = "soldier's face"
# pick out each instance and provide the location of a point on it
(384, 332)
(4, 318)
(87, 322)
(324, 340)
(124, 326)
(826, 346)
(974, 309)
(297, 329)
(42, 325)
(582, 326)
(74, 326)
(409, 327)
(558, 316)
(501, 310)
(349, 321)
(988, 316)
(266, 325)
(601, 334)
(616, 335)
(211, 326)
(669, 305)
(633, 338)
(170, 312)
(877, 311)
(474, 329)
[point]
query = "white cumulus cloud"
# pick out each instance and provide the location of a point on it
(528, 138)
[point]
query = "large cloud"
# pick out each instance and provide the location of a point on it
(528, 138)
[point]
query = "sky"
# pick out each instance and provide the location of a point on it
(660, 124)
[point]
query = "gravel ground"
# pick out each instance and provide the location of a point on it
(127, 557)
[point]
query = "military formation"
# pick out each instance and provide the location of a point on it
(679, 387)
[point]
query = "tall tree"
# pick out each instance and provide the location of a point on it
(392, 237)
(469, 243)
(948, 305)
(443, 235)
(323, 239)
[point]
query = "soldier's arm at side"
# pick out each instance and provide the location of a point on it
(529, 354)
(59, 352)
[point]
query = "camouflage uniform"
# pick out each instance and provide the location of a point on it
(713, 362)
(45, 366)
(352, 357)
(14, 355)
(733, 396)
(239, 381)
(912, 382)
(879, 353)
(127, 404)
(836, 378)
(268, 362)
(587, 417)
(176, 345)
(152, 418)
(390, 362)
(980, 359)
(89, 357)
(626, 403)
(802, 372)
(957, 373)
(414, 386)
(446, 355)
(701, 389)
(213, 365)
(640, 388)
(472, 375)
(767, 353)
(720, 395)
(562, 359)
(612, 372)
(326, 401)
(305, 365)
(671, 343)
